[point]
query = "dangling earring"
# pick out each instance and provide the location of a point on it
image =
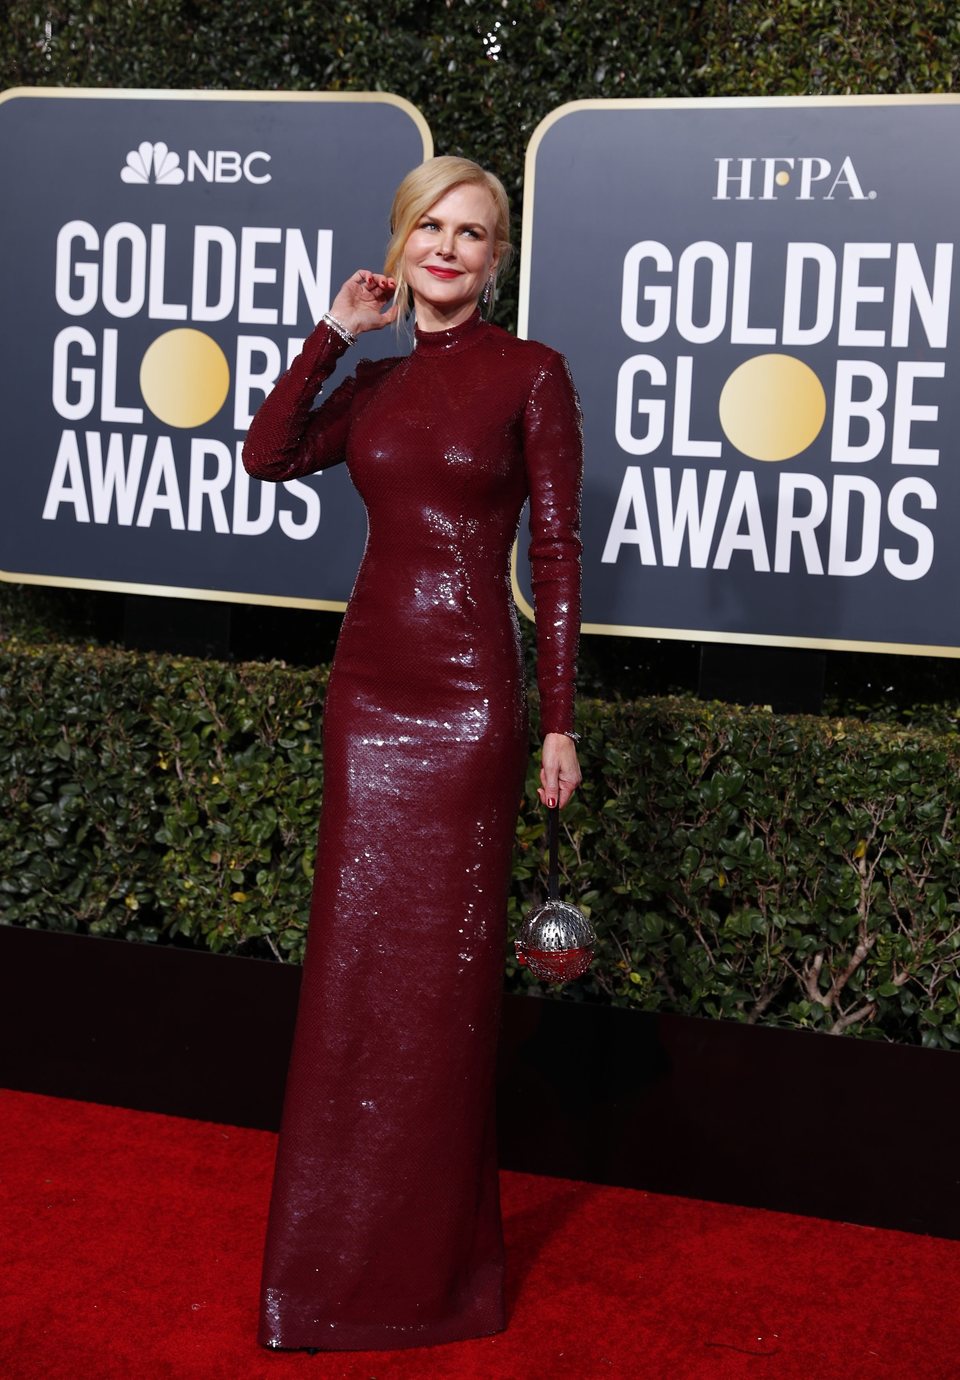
(487, 290)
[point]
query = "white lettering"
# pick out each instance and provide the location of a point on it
(921, 534)
(243, 524)
(159, 310)
(195, 164)
(161, 493)
(702, 251)
(799, 254)
(251, 274)
(631, 503)
(910, 288)
(308, 496)
(248, 163)
(130, 235)
(683, 444)
(725, 177)
(298, 272)
(65, 374)
(811, 170)
(741, 332)
(906, 412)
(67, 270)
(109, 411)
(204, 238)
(792, 524)
(250, 380)
(66, 482)
(838, 562)
(687, 519)
(744, 504)
(846, 177)
(657, 294)
(118, 479)
(853, 293)
(842, 450)
(209, 488)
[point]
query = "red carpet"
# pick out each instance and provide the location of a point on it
(131, 1247)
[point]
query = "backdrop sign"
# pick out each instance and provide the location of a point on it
(163, 257)
(759, 302)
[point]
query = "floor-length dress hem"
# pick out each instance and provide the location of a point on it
(382, 1337)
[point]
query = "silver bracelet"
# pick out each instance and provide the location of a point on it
(340, 328)
(569, 733)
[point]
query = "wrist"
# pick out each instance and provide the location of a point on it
(342, 328)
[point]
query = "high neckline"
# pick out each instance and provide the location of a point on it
(445, 342)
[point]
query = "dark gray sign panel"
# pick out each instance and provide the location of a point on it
(163, 256)
(759, 302)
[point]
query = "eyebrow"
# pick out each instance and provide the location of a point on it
(464, 225)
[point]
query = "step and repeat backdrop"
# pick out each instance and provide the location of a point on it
(163, 257)
(757, 299)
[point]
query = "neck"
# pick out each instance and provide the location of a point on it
(433, 318)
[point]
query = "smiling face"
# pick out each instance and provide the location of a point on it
(449, 256)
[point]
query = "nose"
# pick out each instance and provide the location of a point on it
(446, 246)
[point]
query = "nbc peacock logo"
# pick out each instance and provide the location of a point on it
(159, 164)
(152, 163)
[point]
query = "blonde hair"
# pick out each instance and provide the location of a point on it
(423, 188)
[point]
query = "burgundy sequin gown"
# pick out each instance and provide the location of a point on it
(384, 1225)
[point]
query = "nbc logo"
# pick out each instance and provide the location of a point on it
(152, 163)
(158, 163)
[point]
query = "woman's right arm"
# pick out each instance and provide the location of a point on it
(288, 437)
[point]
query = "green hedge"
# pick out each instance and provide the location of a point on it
(799, 872)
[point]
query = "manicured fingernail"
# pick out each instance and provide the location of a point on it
(551, 802)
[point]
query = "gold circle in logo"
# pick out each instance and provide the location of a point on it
(782, 178)
(184, 378)
(772, 407)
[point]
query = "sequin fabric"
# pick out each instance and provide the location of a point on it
(384, 1227)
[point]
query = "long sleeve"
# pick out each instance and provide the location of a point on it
(553, 451)
(286, 438)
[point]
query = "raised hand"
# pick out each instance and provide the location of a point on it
(359, 305)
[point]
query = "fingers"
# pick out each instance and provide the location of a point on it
(557, 792)
(376, 285)
(549, 789)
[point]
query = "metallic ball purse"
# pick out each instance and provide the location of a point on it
(556, 941)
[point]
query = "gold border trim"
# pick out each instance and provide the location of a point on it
(523, 321)
(219, 596)
(184, 94)
(149, 93)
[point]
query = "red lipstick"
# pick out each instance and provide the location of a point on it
(443, 272)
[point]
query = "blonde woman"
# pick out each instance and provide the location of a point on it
(385, 1226)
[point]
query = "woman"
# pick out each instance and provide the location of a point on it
(385, 1219)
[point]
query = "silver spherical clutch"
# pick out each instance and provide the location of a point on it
(556, 941)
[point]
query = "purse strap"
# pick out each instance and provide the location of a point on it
(553, 840)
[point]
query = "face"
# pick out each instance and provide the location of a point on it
(449, 255)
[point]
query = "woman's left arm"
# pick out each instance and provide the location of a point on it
(553, 452)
